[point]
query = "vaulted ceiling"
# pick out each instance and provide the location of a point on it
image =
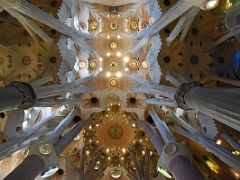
(131, 80)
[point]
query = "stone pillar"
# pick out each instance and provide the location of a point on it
(232, 20)
(230, 141)
(220, 105)
(68, 138)
(17, 95)
(31, 167)
(43, 155)
(183, 169)
(177, 159)
(162, 127)
(153, 136)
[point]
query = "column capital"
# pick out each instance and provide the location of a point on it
(172, 150)
(47, 153)
(182, 91)
(27, 92)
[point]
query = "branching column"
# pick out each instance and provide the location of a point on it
(172, 151)
(152, 134)
(17, 95)
(43, 154)
(34, 12)
(220, 105)
(181, 166)
(177, 159)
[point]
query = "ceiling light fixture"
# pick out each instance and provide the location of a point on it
(144, 65)
(119, 54)
(164, 172)
(119, 74)
(126, 59)
(211, 4)
(116, 174)
(108, 74)
(219, 142)
(82, 64)
(49, 172)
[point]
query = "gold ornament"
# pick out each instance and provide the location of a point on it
(113, 45)
(113, 65)
(93, 25)
(93, 65)
(113, 82)
(115, 131)
(113, 26)
(133, 64)
(133, 25)
(45, 149)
